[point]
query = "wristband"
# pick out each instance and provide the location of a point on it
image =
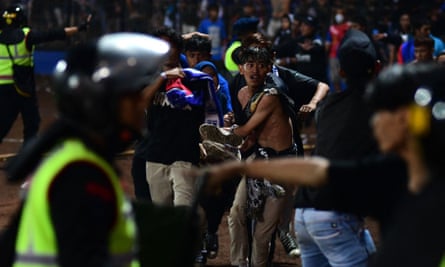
(163, 75)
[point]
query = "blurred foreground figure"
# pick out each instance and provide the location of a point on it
(75, 212)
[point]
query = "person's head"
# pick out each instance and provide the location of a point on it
(213, 11)
(255, 63)
(405, 22)
(308, 25)
(13, 17)
(196, 49)
(254, 40)
(358, 23)
(409, 108)
(357, 57)
(257, 40)
(98, 86)
(286, 22)
(421, 26)
(245, 26)
(209, 68)
(248, 10)
(423, 49)
(339, 15)
(176, 43)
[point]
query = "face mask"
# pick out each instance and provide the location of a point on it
(339, 18)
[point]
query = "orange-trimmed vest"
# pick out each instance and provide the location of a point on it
(20, 54)
(36, 244)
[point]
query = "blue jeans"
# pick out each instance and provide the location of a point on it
(330, 238)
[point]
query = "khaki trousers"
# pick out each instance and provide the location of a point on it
(168, 184)
(237, 221)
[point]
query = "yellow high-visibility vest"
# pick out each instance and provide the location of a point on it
(19, 53)
(228, 61)
(36, 244)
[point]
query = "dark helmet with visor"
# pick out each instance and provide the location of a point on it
(92, 78)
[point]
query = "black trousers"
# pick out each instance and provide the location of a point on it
(216, 205)
(11, 105)
(141, 187)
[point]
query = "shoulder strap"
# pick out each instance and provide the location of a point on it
(252, 104)
(10, 55)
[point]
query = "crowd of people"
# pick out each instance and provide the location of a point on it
(226, 102)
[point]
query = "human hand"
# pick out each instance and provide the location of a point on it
(308, 107)
(189, 35)
(173, 73)
(228, 119)
(84, 26)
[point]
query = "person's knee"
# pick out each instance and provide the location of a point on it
(237, 214)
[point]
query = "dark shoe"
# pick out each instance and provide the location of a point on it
(200, 259)
(219, 135)
(290, 245)
(212, 245)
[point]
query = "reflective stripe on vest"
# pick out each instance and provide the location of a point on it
(20, 54)
(36, 244)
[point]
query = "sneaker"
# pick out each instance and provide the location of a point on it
(219, 135)
(278, 191)
(216, 152)
(212, 245)
(289, 244)
(200, 260)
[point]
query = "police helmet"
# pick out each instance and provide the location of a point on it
(13, 16)
(92, 78)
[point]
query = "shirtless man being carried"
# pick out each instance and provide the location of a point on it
(267, 128)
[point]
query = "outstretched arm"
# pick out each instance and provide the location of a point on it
(69, 31)
(320, 93)
(297, 171)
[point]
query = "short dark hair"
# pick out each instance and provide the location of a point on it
(394, 87)
(257, 40)
(416, 86)
(198, 43)
(424, 41)
(257, 54)
(213, 6)
(175, 39)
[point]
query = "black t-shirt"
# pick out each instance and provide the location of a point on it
(371, 186)
(311, 62)
(411, 226)
(343, 133)
(416, 237)
(343, 129)
(174, 133)
(83, 211)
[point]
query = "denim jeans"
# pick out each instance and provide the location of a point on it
(330, 238)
